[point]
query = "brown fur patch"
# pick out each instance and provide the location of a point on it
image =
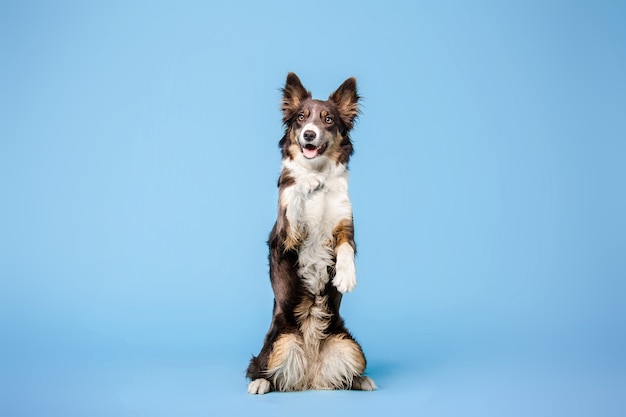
(344, 232)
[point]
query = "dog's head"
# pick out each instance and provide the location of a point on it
(316, 129)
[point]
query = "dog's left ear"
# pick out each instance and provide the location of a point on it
(347, 100)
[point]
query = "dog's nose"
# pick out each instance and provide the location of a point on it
(309, 135)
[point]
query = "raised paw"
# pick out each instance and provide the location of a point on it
(345, 274)
(345, 281)
(259, 386)
(364, 383)
(312, 184)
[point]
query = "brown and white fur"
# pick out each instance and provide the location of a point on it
(312, 250)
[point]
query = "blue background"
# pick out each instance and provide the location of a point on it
(138, 168)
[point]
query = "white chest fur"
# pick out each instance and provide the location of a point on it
(315, 204)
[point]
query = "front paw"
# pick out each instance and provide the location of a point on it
(345, 274)
(312, 184)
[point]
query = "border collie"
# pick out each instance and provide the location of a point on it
(312, 250)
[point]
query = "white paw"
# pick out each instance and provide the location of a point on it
(364, 383)
(312, 184)
(259, 386)
(345, 274)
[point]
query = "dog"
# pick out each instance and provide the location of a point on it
(312, 250)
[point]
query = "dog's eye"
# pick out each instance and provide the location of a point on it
(301, 117)
(328, 119)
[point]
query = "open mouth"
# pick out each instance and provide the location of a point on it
(311, 151)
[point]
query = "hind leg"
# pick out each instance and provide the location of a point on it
(341, 365)
(287, 363)
(285, 369)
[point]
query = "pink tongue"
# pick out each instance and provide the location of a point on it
(309, 152)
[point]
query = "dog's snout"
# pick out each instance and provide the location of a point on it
(309, 135)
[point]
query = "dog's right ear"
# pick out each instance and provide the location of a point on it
(294, 94)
